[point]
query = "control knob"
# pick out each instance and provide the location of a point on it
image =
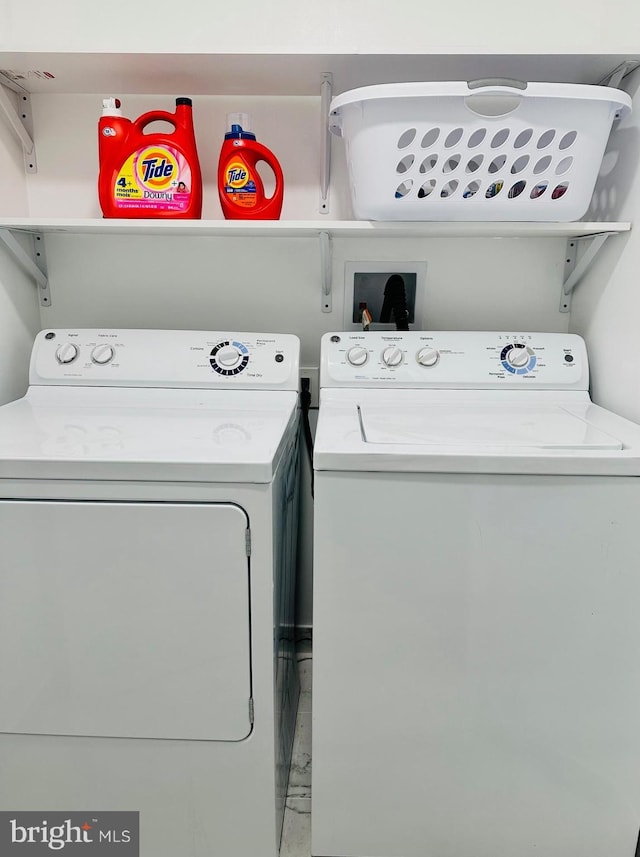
(358, 355)
(428, 357)
(518, 357)
(66, 353)
(229, 356)
(392, 356)
(103, 354)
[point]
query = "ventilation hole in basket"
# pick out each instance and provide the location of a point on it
(497, 163)
(519, 164)
(453, 137)
(523, 138)
(546, 139)
(477, 137)
(404, 188)
(430, 137)
(407, 138)
(542, 165)
(471, 190)
(449, 189)
(538, 190)
(452, 164)
(560, 190)
(426, 188)
(405, 164)
(516, 189)
(500, 138)
(429, 163)
(568, 140)
(475, 163)
(563, 166)
(494, 189)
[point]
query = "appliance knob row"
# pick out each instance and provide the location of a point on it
(393, 356)
(69, 351)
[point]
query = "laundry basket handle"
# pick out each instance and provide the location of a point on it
(491, 82)
(494, 96)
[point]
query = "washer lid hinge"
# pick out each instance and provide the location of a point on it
(20, 120)
(247, 541)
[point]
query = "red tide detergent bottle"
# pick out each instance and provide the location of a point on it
(240, 188)
(148, 175)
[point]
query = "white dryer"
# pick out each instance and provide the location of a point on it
(148, 506)
(476, 680)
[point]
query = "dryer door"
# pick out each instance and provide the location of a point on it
(124, 619)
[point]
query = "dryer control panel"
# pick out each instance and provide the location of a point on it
(450, 360)
(165, 358)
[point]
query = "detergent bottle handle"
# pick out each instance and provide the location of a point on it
(264, 154)
(155, 116)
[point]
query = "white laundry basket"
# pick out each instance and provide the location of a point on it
(485, 150)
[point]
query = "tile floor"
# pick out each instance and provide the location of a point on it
(296, 835)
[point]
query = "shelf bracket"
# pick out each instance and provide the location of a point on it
(20, 120)
(325, 141)
(326, 264)
(614, 77)
(575, 268)
(34, 266)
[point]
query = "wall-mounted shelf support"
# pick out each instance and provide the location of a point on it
(575, 268)
(19, 120)
(614, 77)
(325, 142)
(34, 266)
(326, 264)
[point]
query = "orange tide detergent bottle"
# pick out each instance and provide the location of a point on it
(240, 188)
(148, 175)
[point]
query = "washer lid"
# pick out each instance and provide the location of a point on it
(408, 431)
(145, 434)
(513, 425)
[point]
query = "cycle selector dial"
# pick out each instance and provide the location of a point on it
(66, 353)
(518, 359)
(103, 354)
(357, 355)
(392, 356)
(229, 358)
(428, 357)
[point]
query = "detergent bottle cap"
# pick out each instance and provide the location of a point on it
(111, 107)
(238, 125)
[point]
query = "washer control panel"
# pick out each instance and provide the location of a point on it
(165, 358)
(454, 360)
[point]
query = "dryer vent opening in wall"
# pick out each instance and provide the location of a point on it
(366, 291)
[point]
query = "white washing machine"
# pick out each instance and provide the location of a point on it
(476, 677)
(148, 506)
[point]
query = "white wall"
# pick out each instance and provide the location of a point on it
(13, 195)
(19, 311)
(352, 26)
(606, 304)
(19, 323)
